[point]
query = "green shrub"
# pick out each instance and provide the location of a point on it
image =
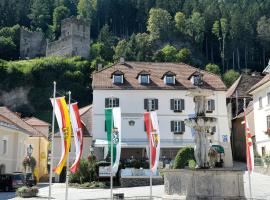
(192, 164)
(24, 189)
(183, 156)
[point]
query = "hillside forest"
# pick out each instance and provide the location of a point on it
(226, 37)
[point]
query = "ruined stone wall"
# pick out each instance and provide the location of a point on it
(74, 39)
(32, 44)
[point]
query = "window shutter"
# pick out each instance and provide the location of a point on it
(182, 126)
(182, 104)
(145, 104)
(212, 104)
(172, 126)
(172, 104)
(106, 102)
(214, 129)
(117, 102)
(156, 104)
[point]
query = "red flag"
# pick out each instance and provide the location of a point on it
(249, 146)
(78, 135)
(152, 130)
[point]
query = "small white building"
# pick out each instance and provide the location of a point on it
(139, 86)
(261, 106)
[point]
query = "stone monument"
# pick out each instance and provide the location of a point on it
(203, 182)
(201, 124)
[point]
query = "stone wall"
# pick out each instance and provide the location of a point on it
(14, 98)
(32, 44)
(134, 181)
(209, 184)
(74, 39)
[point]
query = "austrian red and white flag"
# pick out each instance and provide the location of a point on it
(249, 146)
(78, 135)
(152, 130)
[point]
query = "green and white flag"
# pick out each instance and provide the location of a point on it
(113, 128)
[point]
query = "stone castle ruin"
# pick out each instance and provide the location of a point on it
(32, 44)
(74, 41)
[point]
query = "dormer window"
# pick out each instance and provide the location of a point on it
(197, 78)
(144, 77)
(169, 78)
(118, 77)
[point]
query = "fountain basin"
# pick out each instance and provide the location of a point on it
(212, 184)
(201, 123)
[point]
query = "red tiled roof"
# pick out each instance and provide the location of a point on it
(35, 122)
(16, 120)
(102, 79)
(260, 83)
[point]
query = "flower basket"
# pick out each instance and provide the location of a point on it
(26, 192)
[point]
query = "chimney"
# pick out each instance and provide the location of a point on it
(122, 60)
(99, 66)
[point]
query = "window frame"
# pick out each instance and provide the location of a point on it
(120, 80)
(146, 76)
(178, 126)
(268, 122)
(154, 104)
(5, 146)
(112, 102)
(172, 78)
(210, 107)
(260, 103)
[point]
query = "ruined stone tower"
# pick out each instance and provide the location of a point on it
(74, 39)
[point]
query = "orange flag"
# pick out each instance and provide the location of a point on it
(63, 119)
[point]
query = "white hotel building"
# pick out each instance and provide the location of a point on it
(130, 85)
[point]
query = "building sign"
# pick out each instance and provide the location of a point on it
(225, 138)
(104, 171)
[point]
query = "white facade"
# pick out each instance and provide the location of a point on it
(260, 118)
(13, 148)
(132, 108)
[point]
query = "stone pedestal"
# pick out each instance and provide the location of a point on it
(212, 184)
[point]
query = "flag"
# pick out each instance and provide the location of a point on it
(152, 130)
(249, 146)
(113, 128)
(63, 119)
(78, 135)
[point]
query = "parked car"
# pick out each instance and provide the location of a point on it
(9, 182)
(30, 180)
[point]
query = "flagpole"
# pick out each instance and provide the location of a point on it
(150, 152)
(111, 178)
(67, 164)
(52, 139)
(247, 152)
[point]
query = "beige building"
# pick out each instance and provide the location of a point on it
(13, 144)
(86, 119)
(19, 143)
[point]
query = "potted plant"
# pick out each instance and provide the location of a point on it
(26, 192)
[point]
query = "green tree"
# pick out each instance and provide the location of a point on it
(195, 27)
(230, 77)
(184, 55)
(169, 53)
(40, 14)
(159, 23)
(123, 49)
(213, 68)
(263, 30)
(59, 13)
(86, 9)
(109, 41)
(220, 30)
(7, 48)
(180, 22)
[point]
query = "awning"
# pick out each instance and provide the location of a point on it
(142, 143)
(218, 148)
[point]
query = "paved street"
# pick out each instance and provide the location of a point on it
(260, 188)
